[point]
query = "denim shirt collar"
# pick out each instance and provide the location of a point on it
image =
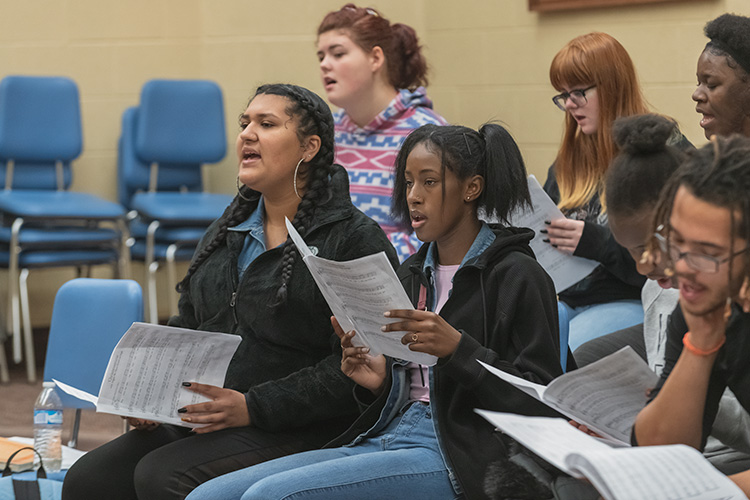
(482, 242)
(253, 224)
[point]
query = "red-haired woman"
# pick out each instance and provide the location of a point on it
(374, 71)
(597, 84)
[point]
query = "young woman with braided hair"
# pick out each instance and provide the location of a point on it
(702, 225)
(284, 391)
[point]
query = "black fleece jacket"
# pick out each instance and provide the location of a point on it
(288, 363)
(504, 305)
(617, 277)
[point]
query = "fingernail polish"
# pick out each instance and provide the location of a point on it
(182, 410)
(554, 245)
(546, 240)
(543, 231)
(382, 328)
(186, 384)
(186, 419)
(547, 222)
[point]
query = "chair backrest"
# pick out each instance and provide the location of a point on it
(562, 317)
(180, 122)
(40, 125)
(133, 174)
(88, 319)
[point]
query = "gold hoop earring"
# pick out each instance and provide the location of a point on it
(239, 191)
(295, 177)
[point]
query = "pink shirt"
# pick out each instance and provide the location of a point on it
(443, 285)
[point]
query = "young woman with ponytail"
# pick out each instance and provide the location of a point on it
(284, 391)
(479, 294)
(374, 71)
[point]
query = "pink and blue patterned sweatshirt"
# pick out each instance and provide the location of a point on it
(369, 155)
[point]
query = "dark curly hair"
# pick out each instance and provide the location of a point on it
(313, 118)
(730, 37)
(718, 173)
(490, 152)
(643, 165)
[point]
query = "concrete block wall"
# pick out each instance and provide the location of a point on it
(489, 60)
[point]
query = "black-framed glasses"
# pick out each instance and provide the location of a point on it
(696, 261)
(578, 96)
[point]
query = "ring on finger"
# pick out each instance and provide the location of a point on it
(414, 338)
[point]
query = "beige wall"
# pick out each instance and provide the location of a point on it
(489, 60)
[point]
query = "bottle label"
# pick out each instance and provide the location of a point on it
(50, 417)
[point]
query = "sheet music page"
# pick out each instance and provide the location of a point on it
(654, 473)
(553, 439)
(565, 269)
(534, 390)
(145, 372)
(358, 292)
(606, 395)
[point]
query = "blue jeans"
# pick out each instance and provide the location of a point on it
(403, 460)
(590, 322)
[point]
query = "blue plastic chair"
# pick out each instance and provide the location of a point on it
(562, 316)
(88, 319)
(177, 127)
(44, 224)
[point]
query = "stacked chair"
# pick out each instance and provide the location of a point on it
(176, 128)
(43, 224)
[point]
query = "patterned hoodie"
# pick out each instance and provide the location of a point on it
(369, 155)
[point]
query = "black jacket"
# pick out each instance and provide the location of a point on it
(617, 277)
(504, 305)
(289, 361)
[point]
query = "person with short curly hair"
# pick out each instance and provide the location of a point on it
(284, 391)
(723, 92)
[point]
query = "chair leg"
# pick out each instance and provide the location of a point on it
(14, 312)
(172, 279)
(76, 425)
(151, 265)
(27, 331)
(4, 376)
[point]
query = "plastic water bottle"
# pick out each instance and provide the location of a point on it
(48, 419)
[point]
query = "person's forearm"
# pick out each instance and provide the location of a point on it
(743, 481)
(675, 416)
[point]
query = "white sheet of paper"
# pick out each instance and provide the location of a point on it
(147, 367)
(553, 439)
(358, 292)
(606, 395)
(78, 393)
(565, 269)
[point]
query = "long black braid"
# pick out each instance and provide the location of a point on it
(314, 118)
(718, 173)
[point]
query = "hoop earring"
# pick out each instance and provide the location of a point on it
(745, 294)
(296, 169)
(239, 192)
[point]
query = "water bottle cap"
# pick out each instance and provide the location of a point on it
(48, 383)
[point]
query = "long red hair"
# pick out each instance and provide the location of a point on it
(593, 59)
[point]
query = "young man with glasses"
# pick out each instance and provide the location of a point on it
(705, 235)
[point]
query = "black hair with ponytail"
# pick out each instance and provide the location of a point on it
(489, 152)
(313, 118)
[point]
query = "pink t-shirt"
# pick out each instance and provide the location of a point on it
(419, 389)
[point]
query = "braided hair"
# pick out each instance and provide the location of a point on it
(314, 118)
(489, 152)
(718, 173)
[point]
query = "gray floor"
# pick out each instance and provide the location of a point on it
(17, 402)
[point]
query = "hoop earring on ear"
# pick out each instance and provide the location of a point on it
(745, 294)
(295, 177)
(239, 191)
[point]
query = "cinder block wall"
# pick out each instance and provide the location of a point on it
(489, 61)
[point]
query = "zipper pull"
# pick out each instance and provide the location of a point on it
(232, 303)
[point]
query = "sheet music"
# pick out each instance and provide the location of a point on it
(147, 367)
(645, 473)
(606, 396)
(565, 269)
(358, 292)
(654, 473)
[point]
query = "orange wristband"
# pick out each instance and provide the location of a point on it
(699, 352)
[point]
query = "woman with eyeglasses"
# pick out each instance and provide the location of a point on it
(597, 83)
(375, 72)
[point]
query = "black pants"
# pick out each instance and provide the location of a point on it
(169, 462)
(597, 348)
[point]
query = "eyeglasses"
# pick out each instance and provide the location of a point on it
(696, 261)
(578, 96)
